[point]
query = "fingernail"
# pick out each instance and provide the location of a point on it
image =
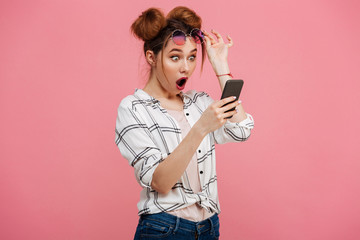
(234, 97)
(239, 101)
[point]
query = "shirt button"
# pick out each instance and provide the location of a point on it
(201, 172)
(187, 114)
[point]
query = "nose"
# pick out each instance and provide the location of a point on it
(185, 66)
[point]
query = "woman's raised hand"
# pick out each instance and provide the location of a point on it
(217, 49)
(214, 116)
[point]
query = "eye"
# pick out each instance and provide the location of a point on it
(192, 58)
(174, 58)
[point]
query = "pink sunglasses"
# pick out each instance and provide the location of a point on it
(179, 37)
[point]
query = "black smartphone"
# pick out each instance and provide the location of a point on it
(232, 88)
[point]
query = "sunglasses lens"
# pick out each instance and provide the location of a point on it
(197, 35)
(179, 38)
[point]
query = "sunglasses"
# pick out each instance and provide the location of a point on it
(179, 37)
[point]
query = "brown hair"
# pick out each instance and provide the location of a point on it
(154, 28)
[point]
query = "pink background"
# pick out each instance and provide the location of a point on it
(66, 65)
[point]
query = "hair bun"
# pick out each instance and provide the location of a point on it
(185, 15)
(148, 24)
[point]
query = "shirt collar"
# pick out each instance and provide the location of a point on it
(145, 96)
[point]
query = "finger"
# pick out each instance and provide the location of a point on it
(212, 40)
(224, 101)
(218, 36)
(207, 42)
(230, 106)
(228, 114)
(231, 43)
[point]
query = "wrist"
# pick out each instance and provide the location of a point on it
(199, 130)
(225, 75)
(220, 67)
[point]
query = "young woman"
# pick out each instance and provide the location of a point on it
(169, 136)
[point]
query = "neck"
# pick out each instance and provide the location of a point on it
(156, 90)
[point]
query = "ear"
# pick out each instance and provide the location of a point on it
(150, 58)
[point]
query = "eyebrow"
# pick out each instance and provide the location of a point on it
(179, 50)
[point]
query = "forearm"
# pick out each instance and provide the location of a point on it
(220, 68)
(170, 170)
(240, 115)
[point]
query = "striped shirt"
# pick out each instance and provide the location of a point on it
(146, 134)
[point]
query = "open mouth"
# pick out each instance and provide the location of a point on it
(180, 84)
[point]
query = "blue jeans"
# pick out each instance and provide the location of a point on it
(167, 226)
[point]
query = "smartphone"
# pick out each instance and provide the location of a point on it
(232, 88)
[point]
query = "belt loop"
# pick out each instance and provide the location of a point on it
(176, 224)
(212, 227)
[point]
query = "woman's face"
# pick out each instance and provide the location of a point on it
(179, 63)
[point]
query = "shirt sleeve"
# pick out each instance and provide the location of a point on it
(135, 142)
(232, 131)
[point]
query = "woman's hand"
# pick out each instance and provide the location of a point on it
(214, 116)
(217, 51)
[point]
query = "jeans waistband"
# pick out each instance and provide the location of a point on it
(182, 223)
